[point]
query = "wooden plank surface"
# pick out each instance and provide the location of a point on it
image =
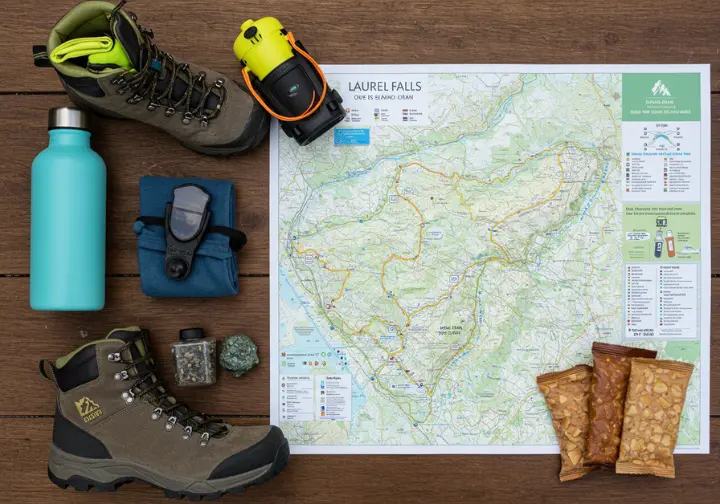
(24, 446)
(134, 150)
(335, 31)
(32, 336)
(392, 32)
(130, 151)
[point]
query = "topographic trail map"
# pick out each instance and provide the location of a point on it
(468, 228)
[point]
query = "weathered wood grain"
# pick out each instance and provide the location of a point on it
(24, 447)
(335, 31)
(30, 336)
(132, 150)
(394, 32)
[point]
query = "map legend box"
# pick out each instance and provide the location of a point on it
(296, 397)
(678, 300)
(661, 301)
(640, 296)
(661, 161)
(334, 397)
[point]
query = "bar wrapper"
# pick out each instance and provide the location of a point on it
(655, 400)
(566, 393)
(611, 372)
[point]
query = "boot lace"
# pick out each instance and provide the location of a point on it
(144, 82)
(147, 385)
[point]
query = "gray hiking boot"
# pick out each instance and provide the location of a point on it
(109, 64)
(116, 423)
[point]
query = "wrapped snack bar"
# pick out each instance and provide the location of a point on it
(655, 400)
(611, 371)
(566, 394)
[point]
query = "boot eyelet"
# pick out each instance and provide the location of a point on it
(171, 421)
(156, 414)
(129, 396)
(204, 439)
(187, 433)
(152, 106)
(187, 117)
(122, 375)
(134, 99)
(204, 121)
(169, 111)
(219, 83)
(114, 357)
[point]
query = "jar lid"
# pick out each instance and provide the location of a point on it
(68, 117)
(192, 334)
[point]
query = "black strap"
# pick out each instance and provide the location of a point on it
(40, 56)
(237, 237)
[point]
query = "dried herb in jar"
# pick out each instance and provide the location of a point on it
(194, 358)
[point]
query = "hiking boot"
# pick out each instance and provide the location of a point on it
(115, 423)
(109, 64)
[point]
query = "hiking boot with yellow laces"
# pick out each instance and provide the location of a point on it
(109, 64)
(115, 422)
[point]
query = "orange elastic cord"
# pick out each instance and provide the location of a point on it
(311, 108)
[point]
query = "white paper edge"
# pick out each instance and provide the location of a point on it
(706, 287)
(706, 270)
(274, 264)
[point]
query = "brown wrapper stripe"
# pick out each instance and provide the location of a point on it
(607, 399)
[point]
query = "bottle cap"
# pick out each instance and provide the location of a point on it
(192, 334)
(68, 117)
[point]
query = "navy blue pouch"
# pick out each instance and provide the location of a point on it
(214, 267)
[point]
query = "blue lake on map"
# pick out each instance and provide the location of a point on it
(311, 347)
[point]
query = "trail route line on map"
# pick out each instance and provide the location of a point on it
(426, 277)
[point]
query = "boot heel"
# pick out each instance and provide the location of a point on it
(66, 470)
(81, 484)
(58, 482)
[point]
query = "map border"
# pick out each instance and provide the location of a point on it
(705, 285)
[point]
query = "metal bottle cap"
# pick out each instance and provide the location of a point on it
(68, 117)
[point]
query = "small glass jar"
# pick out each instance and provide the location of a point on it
(194, 358)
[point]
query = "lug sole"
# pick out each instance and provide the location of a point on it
(83, 484)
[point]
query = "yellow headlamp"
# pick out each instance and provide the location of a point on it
(286, 81)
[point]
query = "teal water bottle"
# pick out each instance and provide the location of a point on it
(67, 236)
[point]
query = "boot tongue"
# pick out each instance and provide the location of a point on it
(127, 47)
(128, 34)
(138, 348)
(129, 334)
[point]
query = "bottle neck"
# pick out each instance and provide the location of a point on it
(68, 136)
